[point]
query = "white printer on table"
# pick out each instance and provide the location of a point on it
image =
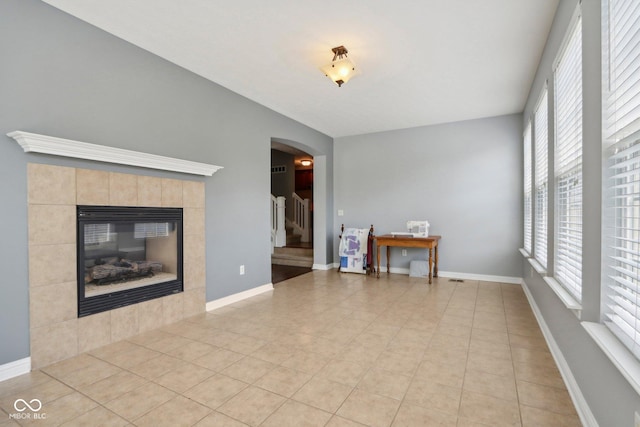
(414, 229)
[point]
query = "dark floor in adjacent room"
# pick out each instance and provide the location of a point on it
(280, 273)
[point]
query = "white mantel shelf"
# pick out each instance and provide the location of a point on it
(31, 142)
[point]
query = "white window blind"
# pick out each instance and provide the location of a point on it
(568, 164)
(541, 136)
(95, 234)
(621, 134)
(527, 189)
(143, 230)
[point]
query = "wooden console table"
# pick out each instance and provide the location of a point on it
(389, 240)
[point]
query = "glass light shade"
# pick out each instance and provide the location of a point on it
(340, 70)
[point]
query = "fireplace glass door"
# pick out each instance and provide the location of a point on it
(127, 255)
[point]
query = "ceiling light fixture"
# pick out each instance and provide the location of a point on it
(305, 162)
(341, 68)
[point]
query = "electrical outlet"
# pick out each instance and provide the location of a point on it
(404, 252)
(242, 269)
(340, 212)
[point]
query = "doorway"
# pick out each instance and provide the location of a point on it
(292, 187)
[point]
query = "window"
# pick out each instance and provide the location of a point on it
(94, 234)
(144, 230)
(621, 138)
(541, 181)
(527, 189)
(568, 164)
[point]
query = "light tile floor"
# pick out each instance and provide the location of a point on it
(322, 349)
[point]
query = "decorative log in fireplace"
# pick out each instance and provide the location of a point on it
(120, 270)
(127, 255)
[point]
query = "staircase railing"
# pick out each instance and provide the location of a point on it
(301, 218)
(278, 231)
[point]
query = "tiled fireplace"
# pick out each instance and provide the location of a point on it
(54, 192)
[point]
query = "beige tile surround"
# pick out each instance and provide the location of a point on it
(53, 193)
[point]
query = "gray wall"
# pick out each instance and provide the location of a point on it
(463, 177)
(65, 78)
(610, 397)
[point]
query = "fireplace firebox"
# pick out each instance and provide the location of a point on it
(127, 255)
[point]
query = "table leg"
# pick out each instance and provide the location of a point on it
(378, 257)
(388, 258)
(435, 266)
(430, 262)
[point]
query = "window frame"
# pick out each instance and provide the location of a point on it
(527, 190)
(620, 286)
(541, 180)
(568, 162)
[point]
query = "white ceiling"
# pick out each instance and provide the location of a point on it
(422, 61)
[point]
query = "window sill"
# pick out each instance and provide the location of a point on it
(524, 253)
(567, 299)
(622, 358)
(538, 267)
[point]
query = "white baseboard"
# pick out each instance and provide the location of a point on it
(212, 305)
(325, 266)
(481, 277)
(466, 276)
(15, 368)
(582, 407)
(396, 270)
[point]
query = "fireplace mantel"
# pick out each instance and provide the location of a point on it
(31, 142)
